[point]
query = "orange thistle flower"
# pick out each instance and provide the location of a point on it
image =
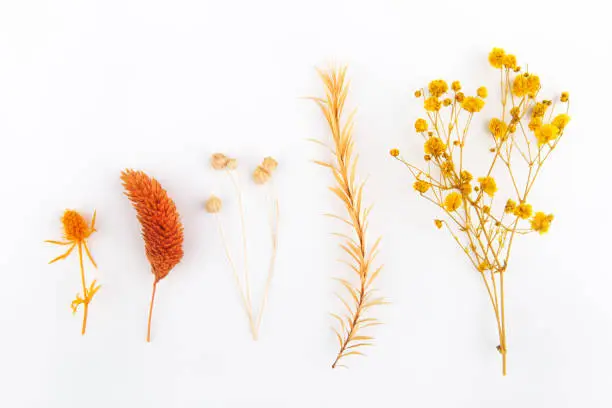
(76, 233)
(162, 230)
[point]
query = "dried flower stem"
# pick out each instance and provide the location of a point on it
(350, 193)
(487, 238)
(245, 303)
(151, 310)
(273, 219)
(247, 282)
(76, 233)
(86, 303)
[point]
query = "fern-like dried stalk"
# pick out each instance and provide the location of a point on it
(361, 296)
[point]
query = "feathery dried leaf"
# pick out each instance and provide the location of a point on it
(351, 195)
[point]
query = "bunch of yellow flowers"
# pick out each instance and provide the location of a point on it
(524, 133)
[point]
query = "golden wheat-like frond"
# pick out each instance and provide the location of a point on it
(358, 294)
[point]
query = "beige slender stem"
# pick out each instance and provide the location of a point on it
(230, 260)
(274, 217)
(247, 283)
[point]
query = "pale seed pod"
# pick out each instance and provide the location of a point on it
(261, 175)
(213, 204)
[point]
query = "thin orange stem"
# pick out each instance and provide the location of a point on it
(86, 301)
(151, 311)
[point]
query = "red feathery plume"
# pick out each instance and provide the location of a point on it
(162, 230)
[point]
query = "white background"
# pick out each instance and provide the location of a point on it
(88, 88)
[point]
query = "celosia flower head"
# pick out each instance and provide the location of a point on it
(162, 230)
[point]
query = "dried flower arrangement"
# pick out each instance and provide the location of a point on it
(76, 233)
(343, 166)
(261, 175)
(525, 133)
(162, 230)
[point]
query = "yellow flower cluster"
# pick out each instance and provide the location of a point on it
(473, 211)
(420, 125)
(541, 222)
(488, 185)
(435, 146)
(498, 129)
(438, 88)
(472, 104)
(526, 84)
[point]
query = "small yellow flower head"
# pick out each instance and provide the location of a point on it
(421, 186)
(535, 123)
(421, 125)
(512, 128)
(496, 57)
(564, 96)
(75, 227)
(427, 157)
(452, 201)
(515, 113)
(561, 121)
(519, 86)
(447, 102)
(466, 176)
(466, 188)
(438, 87)
(472, 104)
(432, 104)
(509, 61)
(446, 168)
(456, 86)
(459, 97)
(539, 109)
(526, 85)
(546, 133)
(510, 206)
(434, 146)
(541, 222)
(482, 92)
(523, 211)
(394, 152)
(483, 266)
(488, 185)
(498, 128)
(533, 84)
(213, 204)
(486, 209)
(438, 223)
(417, 94)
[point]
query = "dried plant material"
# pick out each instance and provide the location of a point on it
(213, 204)
(360, 297)
(268, 166)
(162, 230)
(261, 175)
(263, 172)
(76, 233)
(482, 220)
(220, 161)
